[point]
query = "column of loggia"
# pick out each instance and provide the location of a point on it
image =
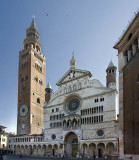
(129, 55)
(134, 49)
(58, 150)
(129, 52)
(105, 152)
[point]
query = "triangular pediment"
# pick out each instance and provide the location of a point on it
(73, 74)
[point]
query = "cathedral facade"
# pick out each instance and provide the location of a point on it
(78, 120)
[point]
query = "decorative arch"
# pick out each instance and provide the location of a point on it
(84, 150)
(92, 149)
(71, 140)
(101, 150)
(110, 148)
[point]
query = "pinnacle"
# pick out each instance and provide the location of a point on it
(49, 86)
(111, 64)
(33, 25)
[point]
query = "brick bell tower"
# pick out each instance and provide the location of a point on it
(48, 92)
(111, 76)
(31, 84)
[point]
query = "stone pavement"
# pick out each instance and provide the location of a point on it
(17, 157)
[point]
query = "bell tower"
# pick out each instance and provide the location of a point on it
(31, 84)
(48, 92)
(111, 76)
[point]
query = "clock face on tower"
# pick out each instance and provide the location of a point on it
(72, 104)
(23, 110)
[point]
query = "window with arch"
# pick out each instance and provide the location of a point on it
(92, 119)
(101, 108)
(101, 118)
(37, 48)
(85, 121)
(36, 79)
(40, 81)
(38, 66)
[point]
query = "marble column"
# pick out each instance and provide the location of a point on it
(125, 60)
(129, 55)
(105, 152)
(134, 48)
(96, 152)
(88, 154)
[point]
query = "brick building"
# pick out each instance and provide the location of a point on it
(31, 84)
(128, 58)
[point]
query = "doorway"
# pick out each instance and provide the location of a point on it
(71, 144)
(100, 153)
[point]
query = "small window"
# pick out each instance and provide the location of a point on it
(57, 109)
(95, 119)
(101, 108)
(52, 110)
(38, 100)
(130, 36)
(95, 110)
(40, 81)
(102, 118)
(36, 79)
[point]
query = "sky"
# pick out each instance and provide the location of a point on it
(90, 28)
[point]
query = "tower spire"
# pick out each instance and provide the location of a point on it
(111, 75)
(33, 25)
(32, 36)
(73, 62)
(73, 54)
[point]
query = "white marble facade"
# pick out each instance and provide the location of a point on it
(81, 116)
